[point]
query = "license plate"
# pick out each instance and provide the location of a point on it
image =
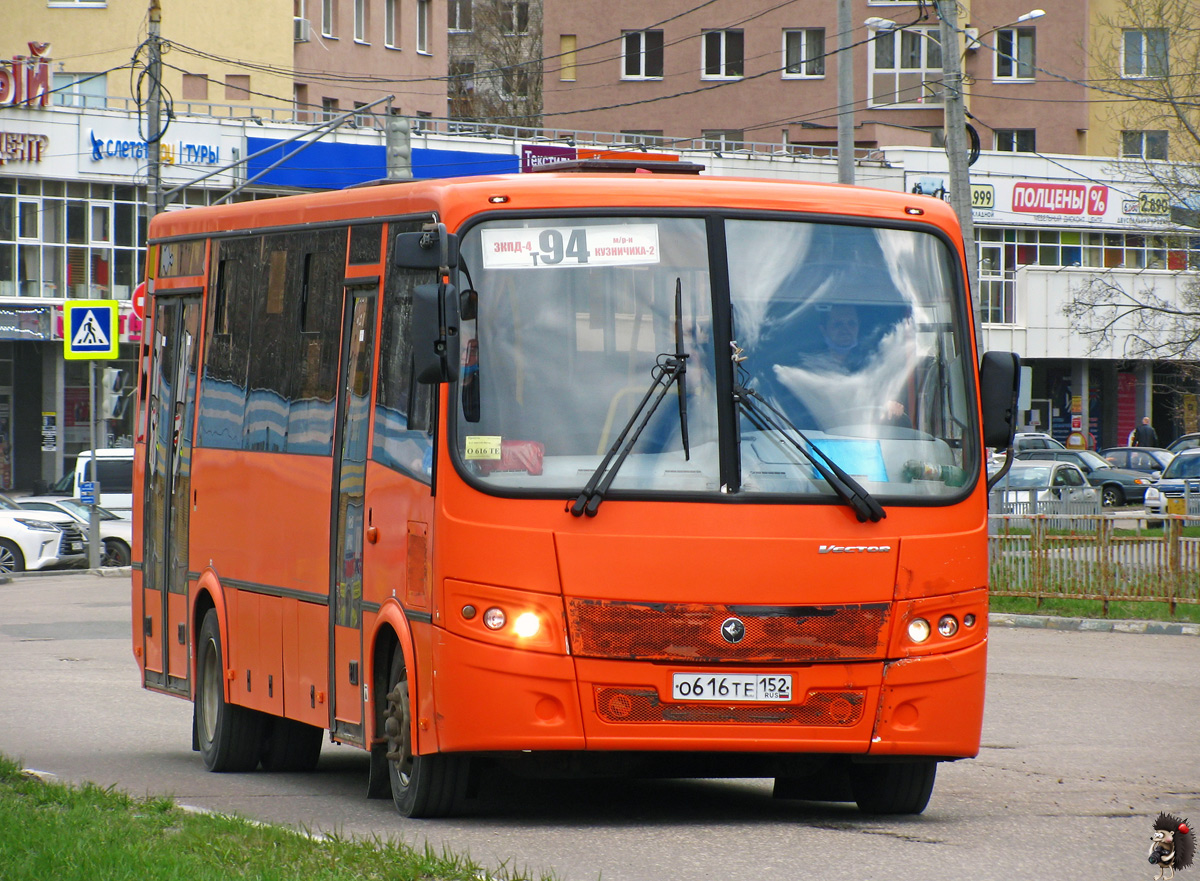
(757, 687)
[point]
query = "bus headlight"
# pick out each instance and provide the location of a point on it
(947, 626)
(918, 630)
(527, 625)
(494, 618)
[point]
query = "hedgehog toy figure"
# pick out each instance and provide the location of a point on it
(1172, 846)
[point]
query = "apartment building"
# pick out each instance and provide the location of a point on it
(735, 72)
(350, 53)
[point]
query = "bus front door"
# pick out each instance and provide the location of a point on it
(349, 490)
(172, 401)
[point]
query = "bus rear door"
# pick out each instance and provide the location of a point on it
(168, 491)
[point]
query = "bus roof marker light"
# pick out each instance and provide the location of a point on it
(914, 211)
(497, 200)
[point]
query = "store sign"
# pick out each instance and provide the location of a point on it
(22, 147)
(171, 152)
(25, 79)
(997, 199)
(1059, 198)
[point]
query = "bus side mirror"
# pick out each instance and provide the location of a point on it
(435, 333)
(999, 385)
(431, 248)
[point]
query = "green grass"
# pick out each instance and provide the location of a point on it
(50, 830)
(1117, 609)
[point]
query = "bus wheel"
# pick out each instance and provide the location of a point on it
(422, 786)
(230, 737)
(291, 746)
(893, 787)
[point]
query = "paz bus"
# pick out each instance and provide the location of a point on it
(587, 471)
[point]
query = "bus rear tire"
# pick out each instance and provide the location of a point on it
(893, 787)
(422, 786)
(291, 746)
(230, 737)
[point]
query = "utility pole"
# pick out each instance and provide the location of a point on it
(154, 110)
(956, 148)
(845, 94)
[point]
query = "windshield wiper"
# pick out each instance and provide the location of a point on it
(766, 418)
(667, 369)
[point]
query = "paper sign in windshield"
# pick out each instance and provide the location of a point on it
(551, 247)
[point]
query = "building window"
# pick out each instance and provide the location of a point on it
(804, 53)
(724, 55)
(80, 89)
(566, 58)
(514, 82)
(327, 16)
(1016, 140)
(723, 139)
(360, 21)
(329, 108)
(1015, 57)
(300, 101)
(1144, 144)
(423, 26)
(906, 67)
(461, 89)
(459, 15)
(237, 87)
(643, 55)
(195, 87)
(514, 17)
(391, 22)
(1144, 53)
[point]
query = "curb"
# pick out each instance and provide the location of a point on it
(106, 572)
(1093, 625)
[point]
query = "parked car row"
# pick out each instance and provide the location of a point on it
(49, 531)
(1152, 476)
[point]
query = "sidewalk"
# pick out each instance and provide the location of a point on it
(1093, 625)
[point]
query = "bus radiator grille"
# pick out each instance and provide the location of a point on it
(693, 631)
(840, 708)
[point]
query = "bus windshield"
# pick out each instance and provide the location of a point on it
(844, 338)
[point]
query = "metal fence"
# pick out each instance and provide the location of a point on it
(1049, 551)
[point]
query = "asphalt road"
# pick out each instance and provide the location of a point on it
(1086, 737)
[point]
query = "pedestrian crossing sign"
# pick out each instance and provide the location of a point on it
(89, 329)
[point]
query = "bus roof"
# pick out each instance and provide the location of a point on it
(454, 200)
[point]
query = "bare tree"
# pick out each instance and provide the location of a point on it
(496, 74)
(1146, 56)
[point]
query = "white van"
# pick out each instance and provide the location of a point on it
(114, 469)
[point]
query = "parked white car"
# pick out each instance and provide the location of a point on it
(31, 541)
(116, 533)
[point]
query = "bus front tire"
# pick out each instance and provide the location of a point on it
(893, 787)
(422, 786)
(230, 737)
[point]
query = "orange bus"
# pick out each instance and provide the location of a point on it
(571, 472)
